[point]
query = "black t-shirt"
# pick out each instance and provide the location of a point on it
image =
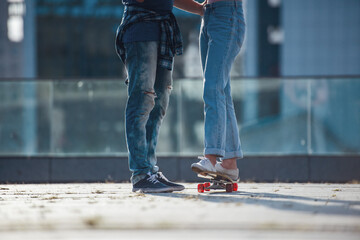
(160, 6)
(147, 31)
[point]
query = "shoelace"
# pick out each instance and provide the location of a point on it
(160, 175)
(203, 160)
(153, 178)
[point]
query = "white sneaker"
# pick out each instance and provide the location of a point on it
(232, 173)
(203, 165)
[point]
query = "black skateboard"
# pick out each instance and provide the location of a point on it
(217, 181)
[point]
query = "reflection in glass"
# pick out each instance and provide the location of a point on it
(86, 117)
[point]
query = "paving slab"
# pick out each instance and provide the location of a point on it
(112, 211)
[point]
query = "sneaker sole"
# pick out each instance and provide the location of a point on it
(153, 190)
(197, 169)
(235, 179)
(178, 188)
(174, 187)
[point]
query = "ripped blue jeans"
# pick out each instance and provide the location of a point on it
(221, 37)
(149, 90)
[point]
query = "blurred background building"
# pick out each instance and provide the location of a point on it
(296, 82)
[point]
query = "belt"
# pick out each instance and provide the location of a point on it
(212, 1)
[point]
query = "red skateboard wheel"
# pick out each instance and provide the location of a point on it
(235, 187)
(201, 188)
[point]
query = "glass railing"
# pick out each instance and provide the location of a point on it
(279, 116)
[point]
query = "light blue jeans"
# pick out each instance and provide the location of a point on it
(221, 37)
(148, 98)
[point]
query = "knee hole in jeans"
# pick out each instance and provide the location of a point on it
(150, 93)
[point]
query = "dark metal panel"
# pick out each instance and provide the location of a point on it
(85, 169)
(24, 170)
(274, 168)
(334, 169)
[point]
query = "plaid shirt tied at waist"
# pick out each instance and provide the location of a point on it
(170, 39)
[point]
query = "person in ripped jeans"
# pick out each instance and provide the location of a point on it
(147, 40)
(221, 37)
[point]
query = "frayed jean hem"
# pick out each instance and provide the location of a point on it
(214, 151)
(236, 154)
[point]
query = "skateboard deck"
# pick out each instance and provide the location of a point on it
(217, 181)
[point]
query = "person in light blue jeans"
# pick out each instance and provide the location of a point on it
(221, 38)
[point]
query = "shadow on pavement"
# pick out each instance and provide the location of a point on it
(276, 201)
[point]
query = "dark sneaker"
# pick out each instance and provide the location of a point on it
(164, 180)
(150, 184)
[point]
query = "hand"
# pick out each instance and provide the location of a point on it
(202, 12)
(191, 6)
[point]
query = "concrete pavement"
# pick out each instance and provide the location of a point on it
(112, 211)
